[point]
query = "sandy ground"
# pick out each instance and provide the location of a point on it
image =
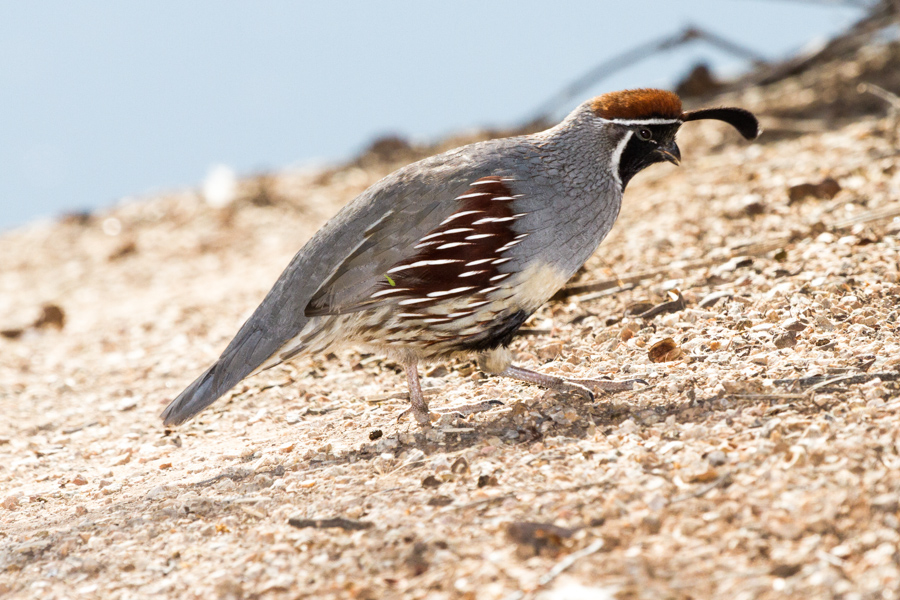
(760, 461)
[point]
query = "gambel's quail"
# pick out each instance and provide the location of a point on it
(450, 255)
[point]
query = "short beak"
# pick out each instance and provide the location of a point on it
(670, 152)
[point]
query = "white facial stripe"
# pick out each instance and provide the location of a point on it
(643, 121)
(617, 156)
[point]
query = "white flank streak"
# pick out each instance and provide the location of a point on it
(470, 273)
(481, 303)
(500, 261)
(452, 245)
(458, 290)
(484, 182)
(486, 290)
(413, 301)
(479, 236)
(456, 315)
(432, 236)
(426, 263)
(502, 198)
(498, 219)
(522, 236)
(473, 195)
(617, 156)
(388, 291)
(460, 214)
(508, 246)
(480, 261)
(448, 232)
(425, 244)
(437, 320)
(507, 179)
(643, 121)
(500, 276)
(411, 315)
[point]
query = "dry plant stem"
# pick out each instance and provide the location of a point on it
(867, 217)
(332, 522)
(893, 100)
(609, 292)
(722, 479)
(882, 93)
(478, 503)
(557, 570)
(666, 307)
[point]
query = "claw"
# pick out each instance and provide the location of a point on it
(423, 419)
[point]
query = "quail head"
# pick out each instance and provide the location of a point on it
(450, 255)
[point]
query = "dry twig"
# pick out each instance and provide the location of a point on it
(557, 570)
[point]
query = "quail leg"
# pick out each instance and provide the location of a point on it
(419, 408)
(417, 401)
(583, 387)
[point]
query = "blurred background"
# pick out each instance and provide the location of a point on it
(105, 100)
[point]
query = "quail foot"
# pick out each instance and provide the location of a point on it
(450, 255)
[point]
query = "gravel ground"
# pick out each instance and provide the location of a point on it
(760, 461)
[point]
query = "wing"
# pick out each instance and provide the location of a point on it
(454, 247)
(422, 225)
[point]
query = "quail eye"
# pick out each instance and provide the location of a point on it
(645, 135)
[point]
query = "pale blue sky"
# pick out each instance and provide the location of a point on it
(106, 99)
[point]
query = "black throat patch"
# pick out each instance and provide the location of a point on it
(640, 154)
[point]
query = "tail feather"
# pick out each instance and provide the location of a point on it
(274, 323)
(193, 399)
(280, 317)
(238, 361)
